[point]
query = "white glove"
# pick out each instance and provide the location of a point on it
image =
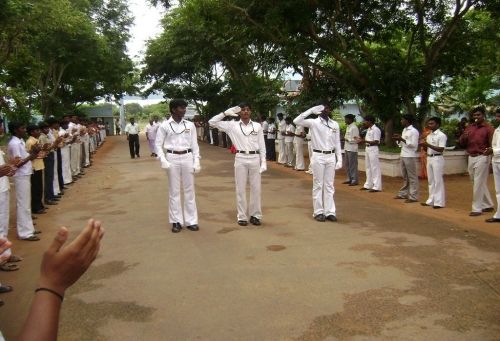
(263, 167)
(317, 109)
(338, 165)
(232, 111)
(196, 166)
(164, 163)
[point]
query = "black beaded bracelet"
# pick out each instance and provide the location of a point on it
(61, 297)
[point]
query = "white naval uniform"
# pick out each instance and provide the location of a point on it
(246, 138)
(372, 162)
(325, 138)
(435, 168)
(22, 183)
(290, 156)
(180, 137)
(151, 130)
(299, 148)
(495, 145)
(281, 142)
(4, 205)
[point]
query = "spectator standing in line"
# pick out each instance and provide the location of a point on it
(476, 139)
(289, 136)
(298, 143)
(371, 140)
(132, 131)
(351, 150)
(271, 140)
(281, 139)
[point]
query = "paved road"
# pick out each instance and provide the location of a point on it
(384, 271)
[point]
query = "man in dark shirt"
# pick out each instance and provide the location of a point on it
(476, 139)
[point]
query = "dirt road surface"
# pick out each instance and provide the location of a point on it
(386, 270)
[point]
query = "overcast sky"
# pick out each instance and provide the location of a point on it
(146, 26)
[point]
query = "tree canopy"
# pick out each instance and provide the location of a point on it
(56, 54)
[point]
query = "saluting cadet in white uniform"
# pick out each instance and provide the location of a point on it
(298, 142)
(289, 137)
(177, 148)
(372, 163)
(249, 161)
(281, 139)
(495, 150)
(408, 141)
(327, 157)
(435, 143)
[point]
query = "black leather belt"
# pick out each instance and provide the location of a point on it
(324, 151)
(431, 155)
(178, 151)
(248, 151)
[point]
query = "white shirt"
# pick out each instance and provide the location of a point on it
(373, 134)
(17, 148)
(410, 146)
(246, 137)
(271, 131)
(325, 134)
(265, 127)
(289, 129)
(4, 180)
(177, 136)
(151, 130)
(132, 129)
(298, 130)
(281, 128)
(495, 145)
(437, 138)
(350, 144)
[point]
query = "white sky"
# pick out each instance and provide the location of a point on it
(146, 26)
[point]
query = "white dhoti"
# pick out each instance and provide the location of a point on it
(478, 170)
(25, 226)
(66, 164)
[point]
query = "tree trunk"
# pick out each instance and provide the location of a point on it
(389, 131)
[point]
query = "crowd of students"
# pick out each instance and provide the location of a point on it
(43, 160)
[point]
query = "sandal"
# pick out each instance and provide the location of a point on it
(5, 288)
(13, 259)
(9, 267)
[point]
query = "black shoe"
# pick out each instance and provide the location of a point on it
(242, 222)
(353, 184)
(55, 199)
(138, 155)
(176, 227)
(41, 211)
(364, 189)
(152, 154)
(374, 190)
(194, 227)
(437, 207)
(132, 157)
(346, 182)
(331, 217)
(320, 217)
(50, 202)
(255, 221)
(489, 209)
(492, 220)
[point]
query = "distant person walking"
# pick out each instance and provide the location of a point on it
(132, 131)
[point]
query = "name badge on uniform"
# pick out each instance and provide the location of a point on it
(334, 130)
(253, 133)
(187, 130)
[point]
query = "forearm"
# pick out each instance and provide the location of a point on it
(216, 120)
(43, 319)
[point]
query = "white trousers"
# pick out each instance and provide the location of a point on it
(181, 179)
(435, 167)
(373, 173)
(323, 189)
(55, 182)
(310, 150)
(4, 218)
(247, 169)
(281, 151)
(289, 153)
(86, 147)
(496, 176)
(23, 206)
(66, 164)
(478, 170)
(299, 155)
(75, 158)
